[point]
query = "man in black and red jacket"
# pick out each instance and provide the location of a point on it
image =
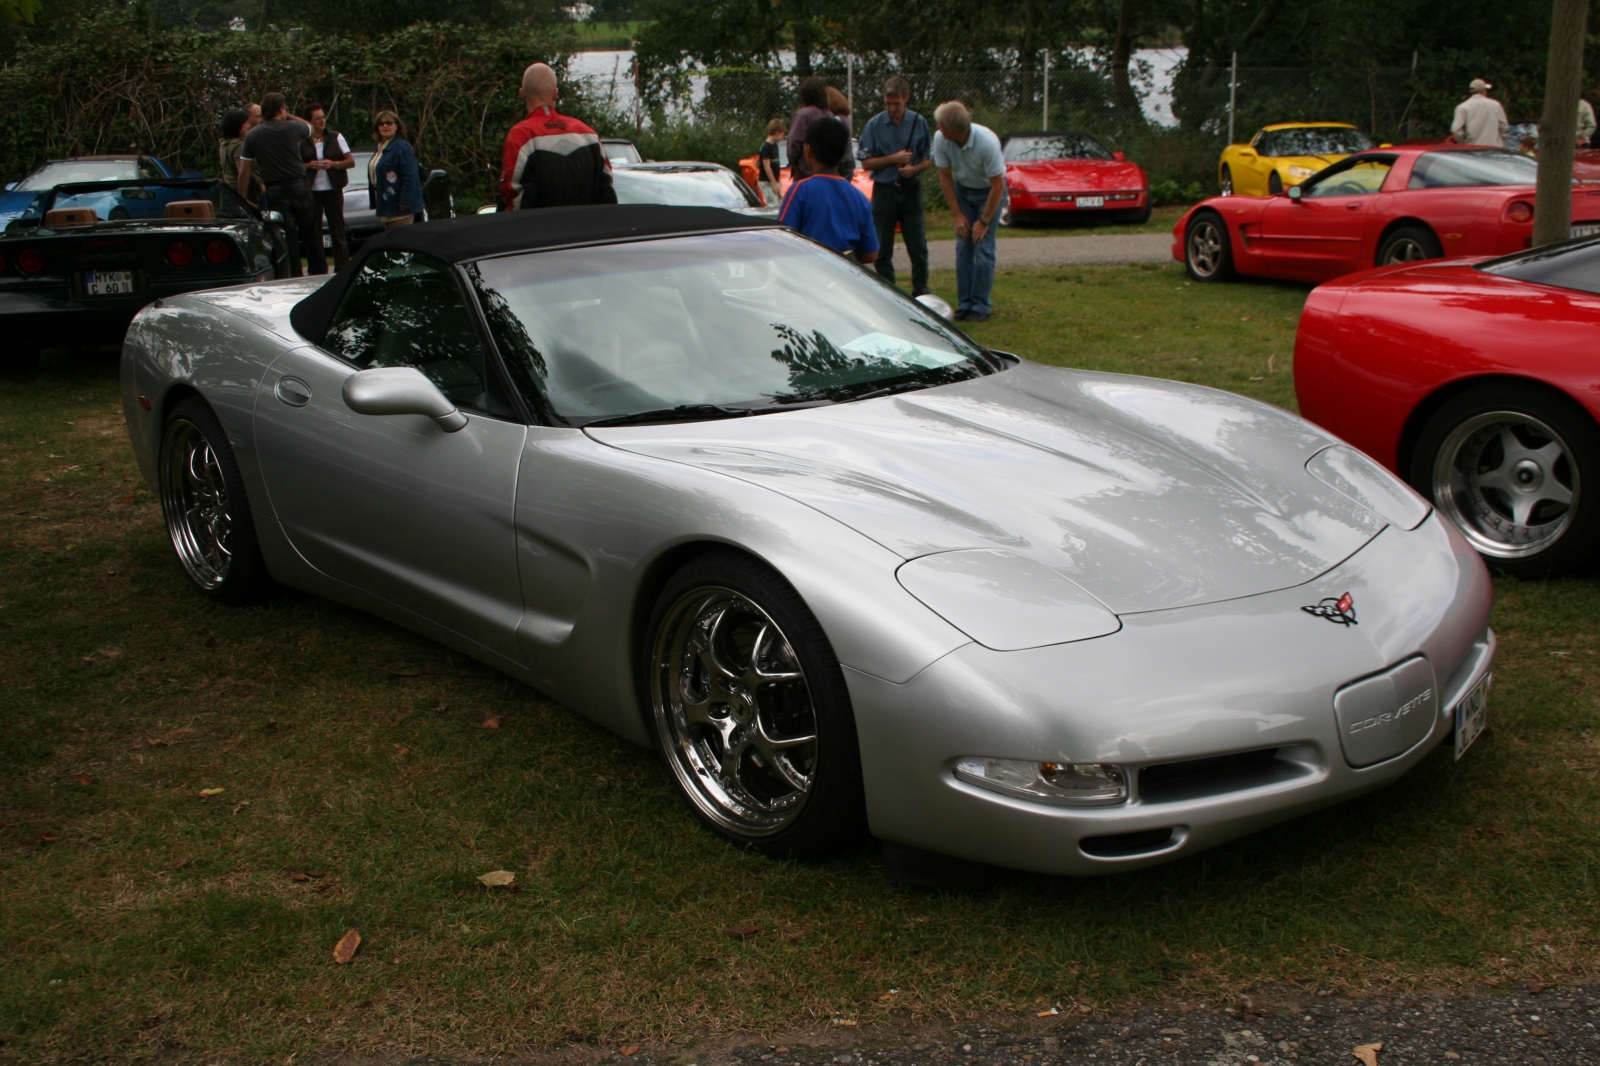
(551, 160)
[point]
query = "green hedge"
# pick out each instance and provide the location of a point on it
(120, 86)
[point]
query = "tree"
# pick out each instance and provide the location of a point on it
(1558, 131)
(20, 10)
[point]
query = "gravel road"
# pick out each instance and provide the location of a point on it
(1105, 249)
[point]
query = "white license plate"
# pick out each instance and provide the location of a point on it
(327, 241)
(1587, 229)
(1091, 201)
(1472, 713)
(108, 282)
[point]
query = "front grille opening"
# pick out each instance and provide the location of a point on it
(1121, 845)
(1197, 778)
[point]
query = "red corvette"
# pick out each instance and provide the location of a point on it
(1051, 174)
(1477, 382)
(1389, 205)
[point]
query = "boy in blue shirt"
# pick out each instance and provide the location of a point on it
(826, 207)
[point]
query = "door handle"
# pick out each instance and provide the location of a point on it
(293, 392)
(1352, 207)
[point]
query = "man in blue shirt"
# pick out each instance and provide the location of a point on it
(896, 148)
(826, 207)
(972, 171)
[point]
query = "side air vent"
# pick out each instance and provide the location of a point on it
(1126, 845)
(1175, 782)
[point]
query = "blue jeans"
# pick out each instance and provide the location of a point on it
(975, 262)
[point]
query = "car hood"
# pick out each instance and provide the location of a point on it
(1073, 175)
(1148, 494)
(1314, 162)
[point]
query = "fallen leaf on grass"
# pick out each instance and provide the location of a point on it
(326, 886)
(404, 670)
(629, 1051)
(47, 838)
(1049, 1013)
(345, 949)
(848, 1023)
(740, 932)
(1367, 1053)
(82, 778)
(492, 722)
(206, 793)
(498, 878)
(241, 805)
(127, 499)
(299, 877)
(401, 750)
(156, 742)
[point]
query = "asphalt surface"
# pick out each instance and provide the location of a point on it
(1089, 250)
(1555, 1026)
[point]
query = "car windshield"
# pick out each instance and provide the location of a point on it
(70, 170)
(150, 200)
(358, 173)
(1312, 140)
(757, 319)
(1448, 170)
(621, 152)
(1054, 146)
(682, 187)
(1361, 176)
(1568, 265)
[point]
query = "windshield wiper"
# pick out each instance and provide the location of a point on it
(688, 412)
(890, 390)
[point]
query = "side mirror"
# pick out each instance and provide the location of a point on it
(1247, 153)
(400, 390)
(1294, 192)
(274, 217)
(436, 174)
(11, 185)
(935, 304)
(1119, 157)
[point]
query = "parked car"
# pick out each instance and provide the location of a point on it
(750, 172)
(1056, 174)
(1394, 205)
(619, 151)
(687, 185)
(361, 218)
(729, 495)
(133, 201)
(1475, 381)
(69, 277)
(1286, 154)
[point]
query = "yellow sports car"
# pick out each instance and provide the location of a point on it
(1286, 154)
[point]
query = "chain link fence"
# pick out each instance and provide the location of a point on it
(1171, 117)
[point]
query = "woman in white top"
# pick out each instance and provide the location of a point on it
(329, 175)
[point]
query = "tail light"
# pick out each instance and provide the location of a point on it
(1520, 211)
(219, 251)
(3, 264)
(180, 253)
(31, 260)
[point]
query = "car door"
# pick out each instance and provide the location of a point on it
(1319, 232)
(393, 504)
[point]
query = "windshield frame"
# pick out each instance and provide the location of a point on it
(138, 164)
(1109, 157)
(535, 402)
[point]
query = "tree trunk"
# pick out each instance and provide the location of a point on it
(802, 44)
(1028, 51)
(1122, 94)
(1558, 128)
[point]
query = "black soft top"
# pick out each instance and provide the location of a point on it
(459, 240)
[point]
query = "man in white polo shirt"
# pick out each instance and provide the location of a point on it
(972, 172)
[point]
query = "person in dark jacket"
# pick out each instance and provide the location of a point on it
(813, 105)
(277, 151)
(550, 159)
(394, 187)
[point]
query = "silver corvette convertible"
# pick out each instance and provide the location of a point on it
(853, 574)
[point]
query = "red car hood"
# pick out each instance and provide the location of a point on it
(1075, 175)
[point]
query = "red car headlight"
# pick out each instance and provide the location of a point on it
(1519, 211)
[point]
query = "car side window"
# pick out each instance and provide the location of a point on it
(1350, 177)
(1266, 144)
(405, 309)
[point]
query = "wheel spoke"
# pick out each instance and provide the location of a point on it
(1555, 492)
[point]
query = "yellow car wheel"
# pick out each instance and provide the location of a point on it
(1225, 179)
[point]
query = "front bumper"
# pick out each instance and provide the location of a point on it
(1029, 203)
(1252, 675)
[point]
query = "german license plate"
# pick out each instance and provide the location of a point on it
(1586, 229)
(1091, 201)
(1471, 715)
(108, 282)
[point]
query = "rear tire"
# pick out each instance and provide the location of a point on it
(1207, 253)
(750, 711)
(1225, 180)
(204, 505)
(1516, 467)
(1409, 244)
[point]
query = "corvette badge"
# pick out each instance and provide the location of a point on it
(1341, 611)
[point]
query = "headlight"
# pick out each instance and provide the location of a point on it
(1300, 173)
(1352, 474)
(1078, 784)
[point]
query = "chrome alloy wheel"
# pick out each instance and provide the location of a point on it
(1226, 181)
(1508, 482)
(1405, 250)
(194, 501)
(1205, 247)
(734, 711)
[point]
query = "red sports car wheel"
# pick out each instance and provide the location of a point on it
(1207, 253)
(1507, 466)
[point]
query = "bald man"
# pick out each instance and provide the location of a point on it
(551, 160)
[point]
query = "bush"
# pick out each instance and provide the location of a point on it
(1169, 192)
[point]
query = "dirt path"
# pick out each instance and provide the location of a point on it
(1103, 249)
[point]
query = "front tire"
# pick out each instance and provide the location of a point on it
(1207, 255)
(1516, 468)
(1275, 183)
(1225, 180)
(203, 503)
(1409, 244)
(750, 710)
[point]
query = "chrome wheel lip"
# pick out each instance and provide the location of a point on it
(195, 504)
(1461, 498)
(1409, 250)
(688, 635)
(1204, 245)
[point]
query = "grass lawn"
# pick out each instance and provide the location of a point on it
(362, 790)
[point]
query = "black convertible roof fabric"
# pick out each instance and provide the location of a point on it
(469, 237)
